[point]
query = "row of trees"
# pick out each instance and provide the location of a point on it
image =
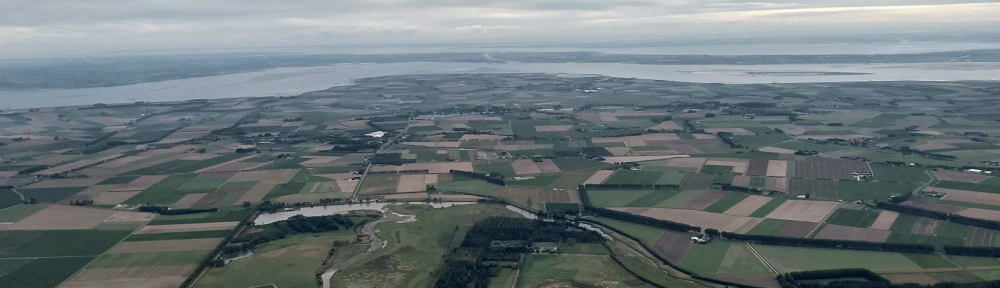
(480, 176)
(850, 278)
(631, 186)
(830, 243)
(734, 188)
(164, 210)
(860, 278)
(954, 218)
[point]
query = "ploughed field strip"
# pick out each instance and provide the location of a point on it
(153, 194)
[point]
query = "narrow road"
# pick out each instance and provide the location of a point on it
(762, 260)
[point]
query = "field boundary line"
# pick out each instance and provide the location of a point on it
(821, 222)
(360, 182)
(761, 258)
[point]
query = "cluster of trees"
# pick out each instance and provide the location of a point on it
(466, 274)
(505, 238)
(480, 176)
(727, 137)
(734, 188)
(830, 243)
(164, 210)
(799, 279)
(954, 218)
(297, 224)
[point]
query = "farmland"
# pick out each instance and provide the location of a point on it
(150, 193)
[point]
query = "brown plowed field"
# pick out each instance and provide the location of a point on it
(114, 198)
(748, 206)
(797, 229)
(259, 190)
(777, 168)
(696, 181)
(959, 176)
(839, 232)
(188, 200)
(803, 210)
(829, 169)
(776, 183)
(140, 183)
(968, 196)
(884, 220)
(62, 217)
(599, 177)
(757, 167)
(673, 246)
(704, 200)
(687, 162)
(981, 214)
(741, 180)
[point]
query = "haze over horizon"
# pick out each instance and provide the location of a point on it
(65, 28)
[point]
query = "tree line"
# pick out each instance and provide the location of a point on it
(480, 176)
(951, 217)
(830, 243)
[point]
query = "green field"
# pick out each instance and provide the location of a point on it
(767, 208)
(858, 190)
(413, 251)
(8, 199)
(741, 261)
(477, 187)
(646, 234)
(968, 186)
(499, 167)
(726, 202)
(294, 263)
(768, 227)
(179, 235)
(44, 272)
(801, 258)
(56, 243)
(851, 217)
(887, 173)
(113, 260)
(580, 270)
(537, 181)
(163, 193)
(617, 198)
(706, 258)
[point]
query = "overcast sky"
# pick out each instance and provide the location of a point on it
(53, 27)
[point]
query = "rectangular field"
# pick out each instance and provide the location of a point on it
(803, 210)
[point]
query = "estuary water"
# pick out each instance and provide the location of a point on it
(294, 81)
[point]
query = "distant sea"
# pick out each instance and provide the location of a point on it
(294, 81)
